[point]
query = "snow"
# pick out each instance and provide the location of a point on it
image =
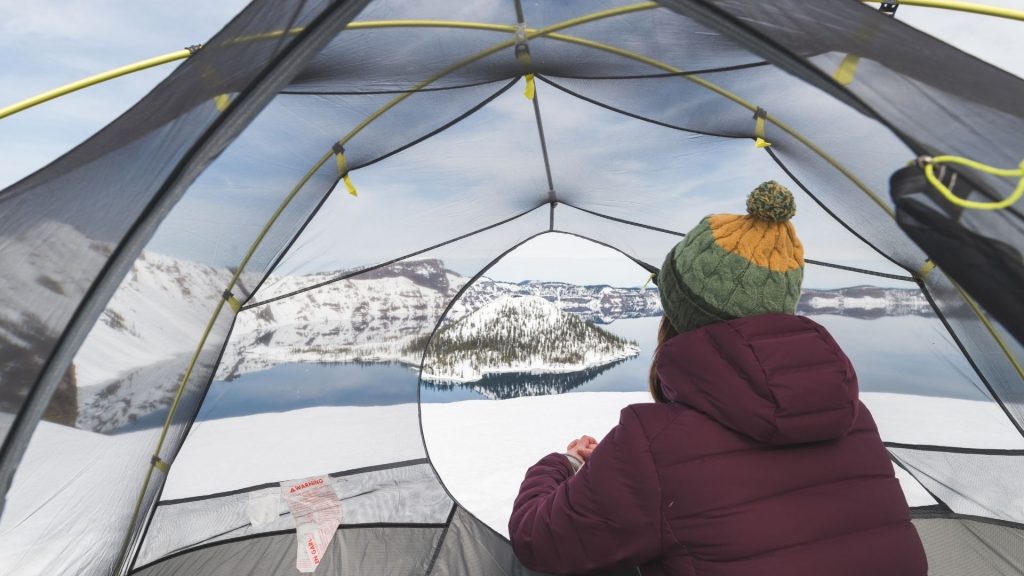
(509, 436)
(480, 448)
(132, 358)
(377, 316)
(161, 300)
(75, 489)
(941, 421)
(230, 453)
(513, 323)
(865, 303)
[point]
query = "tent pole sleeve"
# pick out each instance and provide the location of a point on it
(971, 7)
(93, 80)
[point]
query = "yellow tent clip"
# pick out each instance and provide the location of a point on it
(349, 186)
(160, 464)
(232, 301)
(221, 101)
(650, 279)
(929, 163)
(925, 269)
(847, 68)
(339, 157)
(531, 87)
(759, 117)
(522, 52)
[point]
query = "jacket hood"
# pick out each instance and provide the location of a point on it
(777, 378)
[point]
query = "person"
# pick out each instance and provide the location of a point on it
(756, 457)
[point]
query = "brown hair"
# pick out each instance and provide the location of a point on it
(665, 331)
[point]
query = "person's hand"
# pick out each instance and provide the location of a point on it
(582, 447)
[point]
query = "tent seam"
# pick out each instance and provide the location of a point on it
(389, 262)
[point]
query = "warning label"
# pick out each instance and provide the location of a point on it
(317, 512)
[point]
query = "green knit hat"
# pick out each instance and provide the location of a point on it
(730, 266)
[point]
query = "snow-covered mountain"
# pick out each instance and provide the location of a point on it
(386, 315)
(599, 304)
(519, 334)
(373, 317)
(31, 322)
(133, 359)
(865, 302)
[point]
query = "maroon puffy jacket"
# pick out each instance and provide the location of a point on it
(764, 464)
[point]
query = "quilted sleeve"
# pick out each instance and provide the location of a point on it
(606, 516)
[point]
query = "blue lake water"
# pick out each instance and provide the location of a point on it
(904, 354)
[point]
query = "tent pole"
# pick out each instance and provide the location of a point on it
(971, 7)
(97, 79)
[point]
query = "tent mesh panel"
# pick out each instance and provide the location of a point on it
(622, 151)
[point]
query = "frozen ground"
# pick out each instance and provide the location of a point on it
(62, 512)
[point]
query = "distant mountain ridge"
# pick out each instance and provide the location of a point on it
(865, 302)
(131, 363)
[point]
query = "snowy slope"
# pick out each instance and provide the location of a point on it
(384, 315)
(46, 294)
(158, 312)
(520, 334)
(132, 360)
(599, 304)
(371, 318)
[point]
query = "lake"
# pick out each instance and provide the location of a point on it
(903, 354)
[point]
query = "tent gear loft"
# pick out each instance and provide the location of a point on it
(138, 263)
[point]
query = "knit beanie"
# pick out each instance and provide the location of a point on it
(730, 266)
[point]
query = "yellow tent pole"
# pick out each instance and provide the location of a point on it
(530, 33)
(971, 7)
(548, 31)
(551, 33)
(93, 80)
(986, 10)
(738, 100)
(991, 329)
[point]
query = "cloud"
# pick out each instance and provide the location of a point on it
(994, 40)
(52, 43)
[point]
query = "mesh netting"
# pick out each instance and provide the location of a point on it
(226, 178)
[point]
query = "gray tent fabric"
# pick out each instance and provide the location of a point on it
(315, 157)
(370, 550)
(168, 138)
(970, 546)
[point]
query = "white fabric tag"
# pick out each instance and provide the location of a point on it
(263, 507)
(317, 513)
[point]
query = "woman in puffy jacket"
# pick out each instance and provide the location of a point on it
(756, 458)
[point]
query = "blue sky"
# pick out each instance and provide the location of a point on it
(44, 44)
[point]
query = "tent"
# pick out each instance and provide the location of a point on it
(319, 148)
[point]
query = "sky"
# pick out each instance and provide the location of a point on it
(48, 43)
